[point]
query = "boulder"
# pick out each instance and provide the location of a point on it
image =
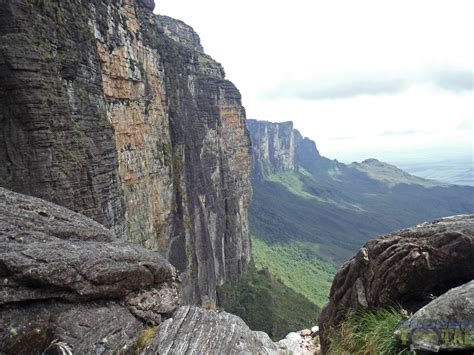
(65, 283)
(445, 324)
(408, 267)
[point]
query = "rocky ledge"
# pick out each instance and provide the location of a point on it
(409, 267)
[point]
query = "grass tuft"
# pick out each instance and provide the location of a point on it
(368, 332)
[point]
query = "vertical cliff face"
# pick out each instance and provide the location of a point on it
(56, 141)
(117, 113)
(278, 147)
(273, 146)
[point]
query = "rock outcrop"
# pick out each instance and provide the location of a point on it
(196, 331)
(64, 277)
(444, 324)
(408, 267)
(116, 113)
(68, 286)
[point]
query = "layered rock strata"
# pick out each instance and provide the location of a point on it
(64, 277)
(116, 113)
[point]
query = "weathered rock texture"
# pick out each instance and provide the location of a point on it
(116, 113)
(273, 147)
(64, 277)
(196, 331)
(444, 324)
(407, 267)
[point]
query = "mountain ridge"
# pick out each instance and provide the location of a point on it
(323, 210)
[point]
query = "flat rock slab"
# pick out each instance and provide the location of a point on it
(407, 267)
(27, 219)
(194, 330)
(47, 251)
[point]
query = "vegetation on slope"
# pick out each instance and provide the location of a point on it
(266, 304)
(305, 224)
(367, 332)
(297, 266)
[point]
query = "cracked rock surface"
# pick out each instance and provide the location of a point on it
(194, 330)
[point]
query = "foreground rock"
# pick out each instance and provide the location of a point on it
(445, 324)
(66, 286)
(64, 278)
(406, 267)
(194, 330)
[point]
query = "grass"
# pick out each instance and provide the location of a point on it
(266, 304)
(367, 332)
(291, 181)
(298, 266)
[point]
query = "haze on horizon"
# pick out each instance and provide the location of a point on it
(389, 80)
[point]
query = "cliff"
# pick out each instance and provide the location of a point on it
(273, 147)
(278, 147)
(116, 113)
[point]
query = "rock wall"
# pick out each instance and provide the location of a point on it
(278, 147)
(273, 147)
(116, 113)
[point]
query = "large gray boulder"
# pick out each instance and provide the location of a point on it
(64, 279)
(407, 267)
(47, 251)
(445, 324)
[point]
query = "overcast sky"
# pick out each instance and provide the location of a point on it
(385, 79)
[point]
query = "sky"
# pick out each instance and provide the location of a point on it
(391, 80)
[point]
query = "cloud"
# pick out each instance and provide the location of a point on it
(342, 138)
(400, 133)
(356, 84)
(467, 124)
(454, 80)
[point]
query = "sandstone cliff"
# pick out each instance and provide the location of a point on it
(273, 147)
(116, 113)
(278, 147)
